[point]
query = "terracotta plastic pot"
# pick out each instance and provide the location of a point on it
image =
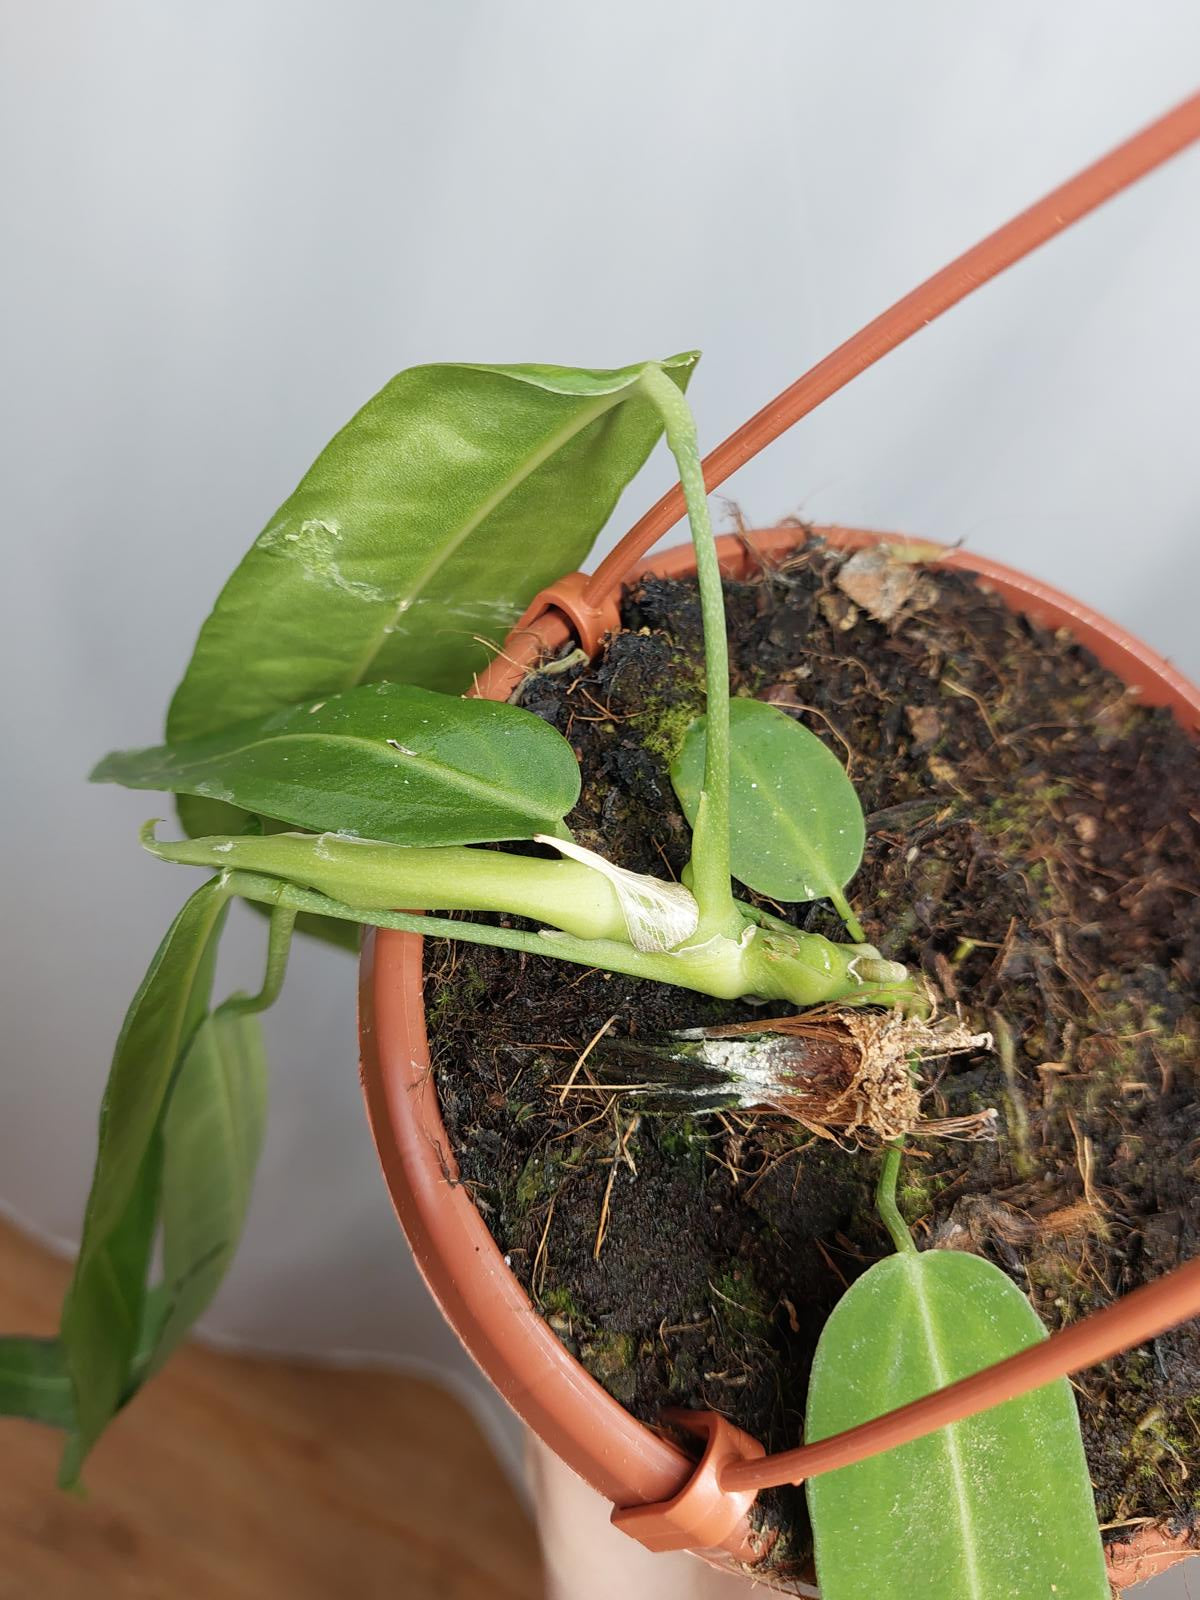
(627, 1462)
(662, 1497)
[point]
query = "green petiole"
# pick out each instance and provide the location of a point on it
(885, 1199)
(362, 880)
(842, 906)
(710, 874)
(802, 968)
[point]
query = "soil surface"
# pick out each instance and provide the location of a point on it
(1032, 848)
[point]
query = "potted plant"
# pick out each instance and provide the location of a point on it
(328, 768)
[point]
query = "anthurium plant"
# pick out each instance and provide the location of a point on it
(328, 767)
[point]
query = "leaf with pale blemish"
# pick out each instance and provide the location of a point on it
(431, 519)
(414, 542)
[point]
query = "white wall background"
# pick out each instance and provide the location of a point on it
(225, 225)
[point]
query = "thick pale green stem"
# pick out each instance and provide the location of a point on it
(885, 1199)
(611, 955)
(801, 968)
(710, 878)
(371, 875)
(359, 880)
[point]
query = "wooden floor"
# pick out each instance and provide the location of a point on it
(231, 1478)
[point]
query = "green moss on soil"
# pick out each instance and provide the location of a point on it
(741, 1304)
(663, 725)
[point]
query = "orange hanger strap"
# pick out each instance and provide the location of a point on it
(1115, 171)
(1137, 1317)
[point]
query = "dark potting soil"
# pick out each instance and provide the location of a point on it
(1032, 848)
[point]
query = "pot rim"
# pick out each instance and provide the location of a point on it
(623, 1459)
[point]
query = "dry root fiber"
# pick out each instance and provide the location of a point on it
(845, 1074)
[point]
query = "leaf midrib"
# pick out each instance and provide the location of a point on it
(228, 1063)
(948, 1436)
(221, 1098)
(450, 547)
(476, 788)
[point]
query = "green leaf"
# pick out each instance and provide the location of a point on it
(212, 1136)
(34, 1382)
(434, 516)
(104, 1309)
(104, 1306)
(796, 825)
(384, 761)
(997, 1507)
(429, 522)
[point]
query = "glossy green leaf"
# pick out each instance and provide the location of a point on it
(997, 1507)
(34, 1382)
(434, 516)
(104, 1308)
(425, 526)
(796, 825)
(212, 1136)
(384, 761)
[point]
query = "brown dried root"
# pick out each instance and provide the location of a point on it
(854, 1071)
(979, 1222)
(843, 1074)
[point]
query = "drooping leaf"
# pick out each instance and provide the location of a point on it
(997, 1507)
(34, 1382)
(384, 761)
(796, 825)
(212, 1136)
(103, 1311)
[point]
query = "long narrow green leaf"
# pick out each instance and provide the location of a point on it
(384, 761)
(212, 1137)
(34, 1382)
(997, 1507)
(104, 1307)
